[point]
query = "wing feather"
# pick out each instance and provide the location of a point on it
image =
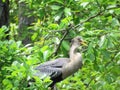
(52, 68)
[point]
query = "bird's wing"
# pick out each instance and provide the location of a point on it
(52, 68)
(49, 71)
(54, 63)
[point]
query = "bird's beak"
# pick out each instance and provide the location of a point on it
(83, 43)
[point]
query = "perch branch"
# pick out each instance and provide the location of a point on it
(65, 34)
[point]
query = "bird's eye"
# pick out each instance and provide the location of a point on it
(72, 41)
(79, 40)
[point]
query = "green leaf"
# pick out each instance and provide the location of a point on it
(67, 11)
(46, 54)
(55, 7)
(84, 4)
(43, 49)
(53, 26)
(7, 84)
(103, 42)
(66, 45)
(34, 36)
(90, 52)
(4, 0)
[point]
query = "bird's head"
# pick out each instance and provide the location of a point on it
(78, 41)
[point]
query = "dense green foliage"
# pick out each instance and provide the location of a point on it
(57, 22)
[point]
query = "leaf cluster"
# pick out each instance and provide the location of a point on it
(56, 23)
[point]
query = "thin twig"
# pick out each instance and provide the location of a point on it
(65, 34)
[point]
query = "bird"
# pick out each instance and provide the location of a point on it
(61, 68)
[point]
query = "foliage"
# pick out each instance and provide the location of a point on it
(56, 22)
(15, 65)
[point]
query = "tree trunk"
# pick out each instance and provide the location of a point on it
(24, 22)
(4, 14)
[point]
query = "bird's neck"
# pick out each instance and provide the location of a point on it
(74, 64)
(73, 51)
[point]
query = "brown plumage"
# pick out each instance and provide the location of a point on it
(61, 68)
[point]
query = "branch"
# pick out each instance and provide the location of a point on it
(98, 14)
(73, 27)
(88, 19)
(65, 34)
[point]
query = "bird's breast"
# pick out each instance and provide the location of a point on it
(72, 66)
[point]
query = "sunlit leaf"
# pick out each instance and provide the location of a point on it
(55, 7)
(66, 45)
(67, 11)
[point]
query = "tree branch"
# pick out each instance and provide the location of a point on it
(80, 24)
(65, 34)
(98, 14)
